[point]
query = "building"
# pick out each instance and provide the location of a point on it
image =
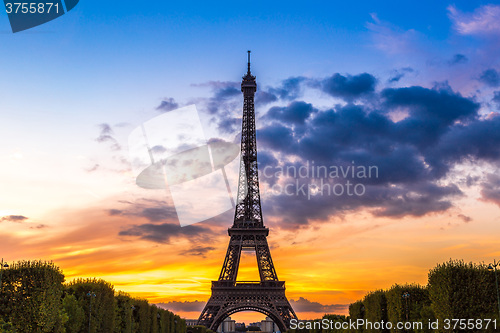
(227, 326)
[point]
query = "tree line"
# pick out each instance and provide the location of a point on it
(34, 298)
(455, 290)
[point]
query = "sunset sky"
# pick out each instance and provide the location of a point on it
(412, 89)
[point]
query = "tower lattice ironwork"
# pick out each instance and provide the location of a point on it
(248, 233)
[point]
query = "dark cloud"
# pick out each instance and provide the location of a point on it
(305, 305)
(199, 251)
(161, 212)
(224, 99)
(413, 152)
(290, 88)
(165, 232)
(106, 136)
(349, 87)
(295, 113)
(186, 306)
(399, 74)
(229, 125)
(491, 189)
(441, 129)
(227, 92)
(431, 112)
(490, 77)
(115, 212)
(417, 200)
(496, 97)
(167, 104)
(458, 59)
(264, 97)
(464, 218)
(277, 137)
(40, 226)
(13, 218)
(479, 140)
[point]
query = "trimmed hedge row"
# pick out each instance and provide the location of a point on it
(455, 290)
(35, 299)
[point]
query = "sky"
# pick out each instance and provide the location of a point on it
(409, 89)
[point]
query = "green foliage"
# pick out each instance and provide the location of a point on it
(34, 299)
(462, 290)
(165, 321)
(123, 313)
(197, 329)
(155, 319)
(375, 308)
(142, 322)
(31, 297)
(401, 309)
(334, 318)
(74, 312)
(99, 309)
(357, 310)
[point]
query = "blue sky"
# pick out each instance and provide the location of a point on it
(109, 60)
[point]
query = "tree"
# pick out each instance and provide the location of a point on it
(463, 291)
(400, 308)
(75, 313)
(96, 297)
(123, 313)
(375, 304)
(32, 292)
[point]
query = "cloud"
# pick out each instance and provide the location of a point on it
(349, 87)
(496, 97)
(13, 218)
(392, 39)
(491, 189)
(435, 129)
(290, 88)
(399, 74)
(485, 20)
(198, 251)
(168, 104)
(106, 136)
(490, 77)
(465, 218)
(153, 211)
(40, 226)
(264, 97)
(431, 112)
(186, 306)
(412, 154)
(458, 59)
(165, 232)
(294, 113)
(305, 305)
(229, 125)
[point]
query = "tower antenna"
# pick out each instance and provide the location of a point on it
(249, 61)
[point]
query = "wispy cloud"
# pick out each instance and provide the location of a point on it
(485, 20)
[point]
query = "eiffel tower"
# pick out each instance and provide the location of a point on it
(248, 232)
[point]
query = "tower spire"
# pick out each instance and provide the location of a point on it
(249, 61)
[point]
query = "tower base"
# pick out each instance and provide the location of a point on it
(266, 297)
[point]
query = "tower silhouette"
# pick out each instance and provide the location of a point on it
(248, 233)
